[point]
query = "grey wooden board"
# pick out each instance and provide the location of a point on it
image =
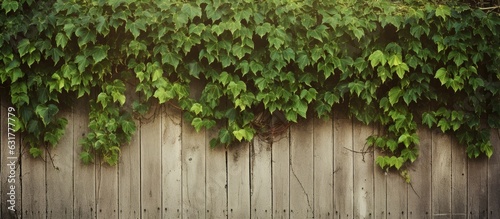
(216, 178)
(59, 172)
(10, 170)
(301, 170)
(343, 164)
(281, 170)
(478, 188)
(107, 191)
(260, 178)
(397, 196)
(151, 151)
(238, 181)
(129, 178)
(193, 172)
(494, 177)
(458, 180)
(323, 168)
(33, 183)
(84, 175)
(380, 185)
(172, 163)
(363, 194)
(441, 175)
(419, 192)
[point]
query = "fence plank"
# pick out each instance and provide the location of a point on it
(478, 188)
(261, 190)
(151, 151)
(280, 180)
(363, 172)
(343, 163)
(107, 190)
(419, 193)
(10, 170)
(323, 168)
(397, 196)
(84, 175)
(238, 181)
(301, 170)
(129, 179)
(459, 180)
(59, 191)
(193, 172)
(216, 197)
(441, 175)
(172, 163)
(33, 183)
(494, 177)
(380, 185)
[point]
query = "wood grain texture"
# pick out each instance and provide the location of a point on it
(151, 173)
(441, 175)
(107, 191)
(397, 196)
(323, 168)
(193, 172)
(458, 180)
(172, 162)
(60, 173)
(419, 192)
(380, 185)
(363, 194)
(494, 177)
(302, 170)
(343, 164)
(34, 198)
(129, 178)
(216, 184)
(260, 179)
(238, 181)
(84, 175)
(281, 178)
(477, 200)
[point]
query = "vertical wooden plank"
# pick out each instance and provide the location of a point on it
(10, 152)
(151, 151)
(323, 168)
(33, 184)
(216, 192)
(107, 190)
(478, 188)
(343, 163)
(280, 170)
(60, 172)
(363, 172)
(494, 177)
(129, 169)
(84, 175)
(459, 180)
(380, 186)
(193, 172)
(171, 162)
(419, 193)
(261, 184)
(397, 196)
(238, 181)
(301, 170)
(441, 175)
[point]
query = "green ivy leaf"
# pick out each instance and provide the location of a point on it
(441, 74)
(46, 113)
(86, 157)
(36, 152)
(443, 11)
(196, 108)
(394, 95)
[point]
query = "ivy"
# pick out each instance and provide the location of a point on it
(397, 65)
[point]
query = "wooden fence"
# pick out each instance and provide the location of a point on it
(314, 170)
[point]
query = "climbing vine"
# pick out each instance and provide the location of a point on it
(399, 65)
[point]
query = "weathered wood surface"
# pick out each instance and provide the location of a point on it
(318, 168)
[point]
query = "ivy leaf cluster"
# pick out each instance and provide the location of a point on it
(401, 66)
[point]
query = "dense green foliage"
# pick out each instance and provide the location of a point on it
(392, 64)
